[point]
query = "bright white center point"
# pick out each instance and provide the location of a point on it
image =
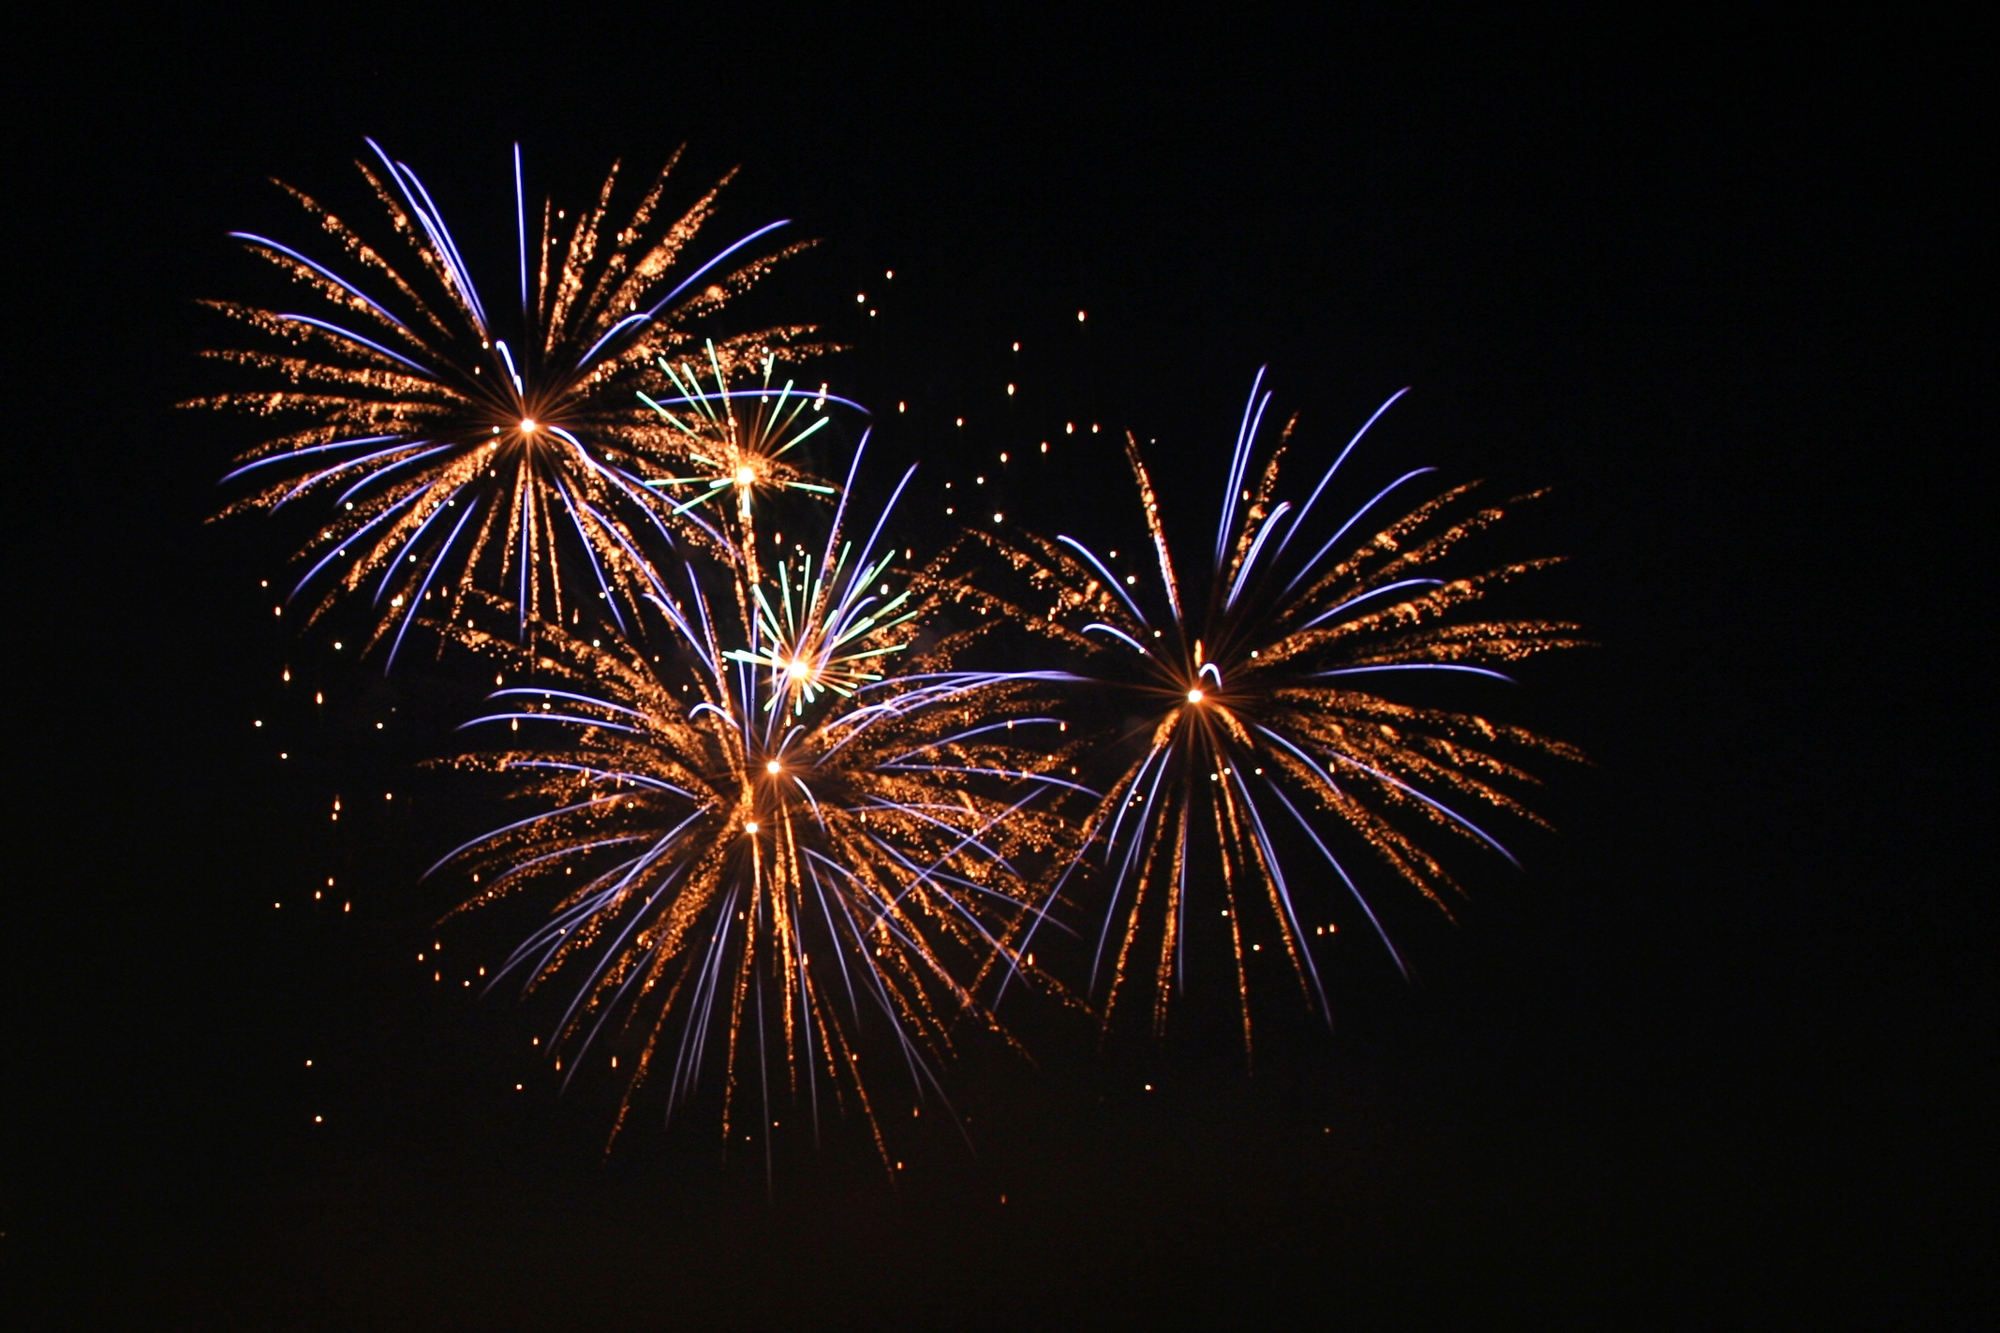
(746, 476)
(527, 425)
(750, 827)
(1194, 696)
(772, 766)
(798, 669)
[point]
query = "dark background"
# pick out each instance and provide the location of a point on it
(1714, 1056)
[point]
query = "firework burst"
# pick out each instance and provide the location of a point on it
(461, 448)
(749, 854)
(731, 445)
(1256, 683)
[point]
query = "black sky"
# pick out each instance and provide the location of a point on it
(1713, 1056)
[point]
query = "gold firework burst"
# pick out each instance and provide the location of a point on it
(737, 861)
(1262, 725)
(455, 459)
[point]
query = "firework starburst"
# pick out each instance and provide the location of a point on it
(745, 857)
(730, 446)
(461, 446)
(1261, 726)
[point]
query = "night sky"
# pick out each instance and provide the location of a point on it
(1711, 1056)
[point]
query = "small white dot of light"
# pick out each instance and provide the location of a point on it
(1256, 948)
(902, 407)
(1130, 580)
(336, 645)
(996, 518)
(347, 907)
(1010, 391)
(517, 1087)
(309, 1064)
(1093, 430)
(277, 906)
(947, 509)
(318, 894)
(1045, 446)
(277, 610)
(885, 590)
(889, 273)
(1194, 696)
(772, 766)
(750, 827)
(1149, 1087)
(1079, 317)
(859, 297)
(961, 421)
(595, 644)
(981, 480)
(256, 724)
(317, 1120)
(350, 504)
(283, 755)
